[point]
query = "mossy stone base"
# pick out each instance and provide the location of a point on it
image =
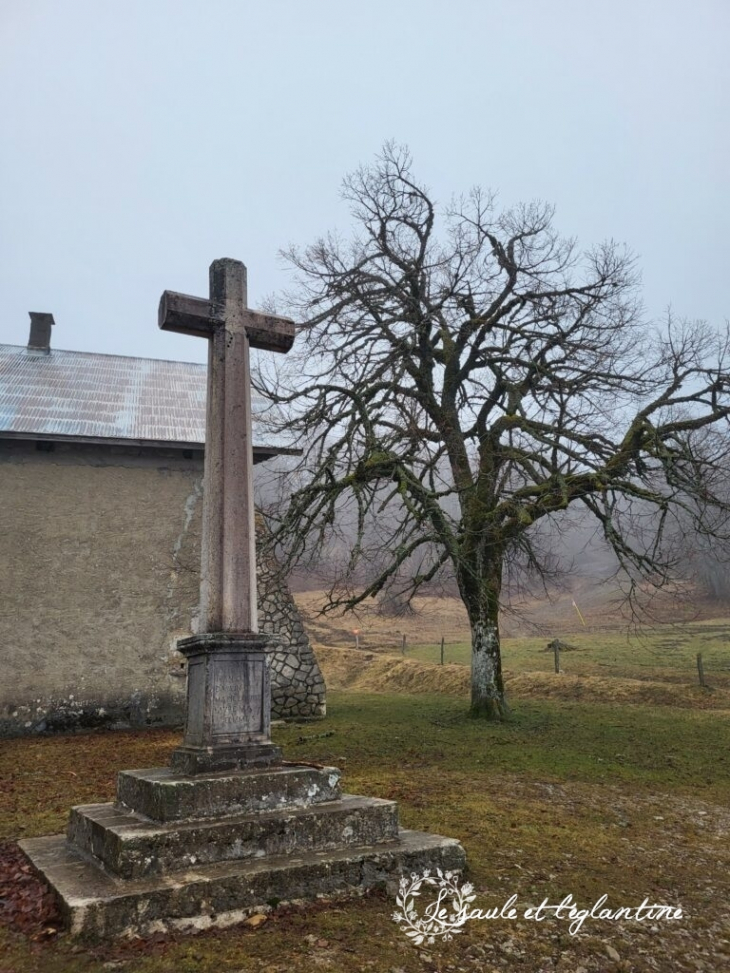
(98, 906)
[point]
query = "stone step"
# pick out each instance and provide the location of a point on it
(97, 906)
(163, 795)
(134, 847)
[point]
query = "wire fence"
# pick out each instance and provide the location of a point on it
(644, 658)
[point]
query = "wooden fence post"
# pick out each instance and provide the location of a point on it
(404, 643)
(701, 671)
(556, 650)
(442, 650)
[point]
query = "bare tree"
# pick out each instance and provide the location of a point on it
(459, 379)
(704, 557)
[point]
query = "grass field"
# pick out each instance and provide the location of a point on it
(610, 778)
(668, 653)
(605, 647)
(631, 801)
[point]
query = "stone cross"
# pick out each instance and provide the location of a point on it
(229, 704)
(228, 576)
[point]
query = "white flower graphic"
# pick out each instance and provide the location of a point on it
(442, 918)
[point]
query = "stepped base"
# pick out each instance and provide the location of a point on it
(132, 846)
(189, 852)
(97, 905)
(164, 795)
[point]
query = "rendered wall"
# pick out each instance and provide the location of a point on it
(99, 556)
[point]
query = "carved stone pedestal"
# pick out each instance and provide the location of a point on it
(228, 723)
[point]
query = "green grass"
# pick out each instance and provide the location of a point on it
(654, 747)
(563, 797)
(668, 653)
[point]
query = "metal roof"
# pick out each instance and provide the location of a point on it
(87, 396)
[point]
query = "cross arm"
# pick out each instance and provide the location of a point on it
(189, 315)
(269, 331)
(185, 314)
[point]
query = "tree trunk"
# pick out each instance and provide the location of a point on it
(487, 688)
(481, 591)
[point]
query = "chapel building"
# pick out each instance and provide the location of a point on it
(101, 469)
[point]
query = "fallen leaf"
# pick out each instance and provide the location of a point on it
(255, 921)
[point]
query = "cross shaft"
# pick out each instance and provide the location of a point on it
(228, 563)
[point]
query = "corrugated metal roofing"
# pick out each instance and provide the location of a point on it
(86, 395)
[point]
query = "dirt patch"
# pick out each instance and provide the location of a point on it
(433, 619)
(585, 606)
(27, 904)
(610, 689)
(376, 672)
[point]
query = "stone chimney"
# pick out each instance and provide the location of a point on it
(40, 331)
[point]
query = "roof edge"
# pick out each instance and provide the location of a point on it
(103, 354)
(144, 443)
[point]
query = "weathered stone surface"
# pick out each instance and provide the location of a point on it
(163, 795)
(228, 720)
(195, 761)
(134, 847)
(294, 668)
(97, 906)
(89, 647)
(228, 601)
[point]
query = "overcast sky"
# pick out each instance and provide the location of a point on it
(142, 139)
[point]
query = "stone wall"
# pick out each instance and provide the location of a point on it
(297, 686)
(99, 560)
